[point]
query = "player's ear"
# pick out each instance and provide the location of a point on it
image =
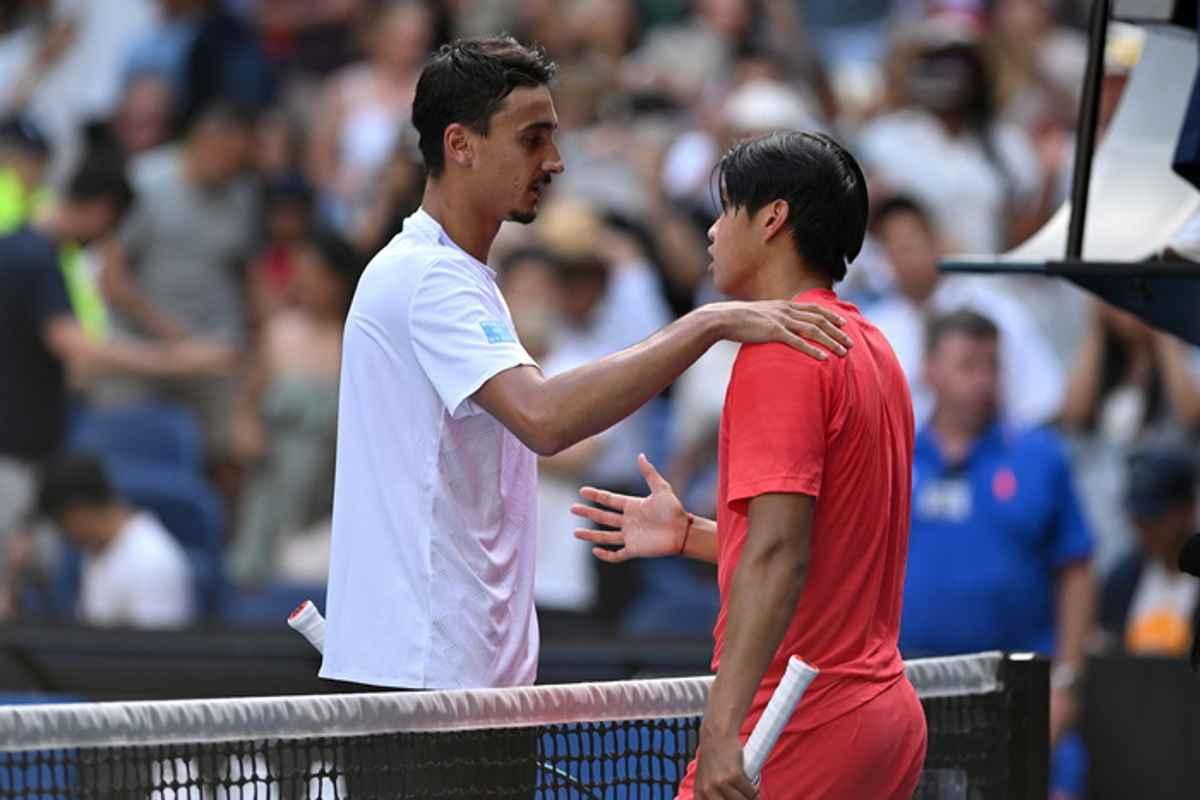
(774, 218)
(457, 144)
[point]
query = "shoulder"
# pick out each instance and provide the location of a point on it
(775, 362)
(153, 544)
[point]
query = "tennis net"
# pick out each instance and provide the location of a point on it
(987, 717)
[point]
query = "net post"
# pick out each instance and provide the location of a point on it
(1026, 679)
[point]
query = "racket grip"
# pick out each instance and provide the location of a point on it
(310, 624)
(776, 715)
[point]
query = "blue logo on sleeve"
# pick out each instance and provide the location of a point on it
(497, 332)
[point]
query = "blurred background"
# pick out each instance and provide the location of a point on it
(270, 152)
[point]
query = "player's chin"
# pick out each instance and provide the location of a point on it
(523, 216)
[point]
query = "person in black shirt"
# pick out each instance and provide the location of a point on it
(43, 346)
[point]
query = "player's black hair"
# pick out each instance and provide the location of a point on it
(101, 178)
(963, 321)
(72, 481)
(823, 185)
(466, 82)
(901, 204)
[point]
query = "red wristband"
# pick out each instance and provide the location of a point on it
(686, 532)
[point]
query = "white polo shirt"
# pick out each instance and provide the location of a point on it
(141, 580)
(435, 502)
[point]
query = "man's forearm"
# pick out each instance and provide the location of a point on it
(594, 397)
(1076, 610)
(701, 541)
(766, 588)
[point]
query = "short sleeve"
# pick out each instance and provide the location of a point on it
(462, 333)
(777, 413)
(1072, 536)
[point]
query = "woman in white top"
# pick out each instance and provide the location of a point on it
(367, 108)
(945, 147)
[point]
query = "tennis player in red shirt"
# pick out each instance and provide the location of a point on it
(811, 535)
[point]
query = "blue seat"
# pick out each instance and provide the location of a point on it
(187, 504)
(161, 434)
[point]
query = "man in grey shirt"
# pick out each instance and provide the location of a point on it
(176, 268)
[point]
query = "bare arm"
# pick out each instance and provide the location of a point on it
(550, 414)
(767, 585)
(1076, 614)
(121, 291)
(1179, 380)
(322, 148)
(1083, 385)
(63, 336)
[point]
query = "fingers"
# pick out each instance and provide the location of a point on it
(607, 538)
(819, 330)
(605, 498)
(804, 347)
(611, 556)
(598, 515)
(828, 313)
(654, 478)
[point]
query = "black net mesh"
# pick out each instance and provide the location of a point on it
(973, 754)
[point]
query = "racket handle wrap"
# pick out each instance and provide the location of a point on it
(310, 624)
(776, 715)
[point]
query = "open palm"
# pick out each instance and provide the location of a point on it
(645, 526)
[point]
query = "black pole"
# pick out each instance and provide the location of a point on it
(1089, 112)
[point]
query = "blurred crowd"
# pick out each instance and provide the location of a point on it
(209, 178)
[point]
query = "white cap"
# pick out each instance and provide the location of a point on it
(765, 105)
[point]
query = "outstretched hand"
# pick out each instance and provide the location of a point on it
(645, 526)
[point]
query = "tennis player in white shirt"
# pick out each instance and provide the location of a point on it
(442, 412)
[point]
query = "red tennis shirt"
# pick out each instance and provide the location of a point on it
(840, 430)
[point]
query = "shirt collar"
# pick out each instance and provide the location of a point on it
(421, 222)
(993, 438)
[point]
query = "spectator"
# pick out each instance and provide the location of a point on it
(134, 573)
(44, 344)
(945, 146)
(287, 418)
(204, 54)
(1148, 606)
(143, 120)
(288, 220)
(999, 548)
(24, 157)
(1032, 377)
(366, 108)
(706, 42)
(1131, 382)
(177, 270)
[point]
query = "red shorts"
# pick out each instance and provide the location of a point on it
(875, 752)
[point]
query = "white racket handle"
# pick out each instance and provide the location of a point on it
(311, 625)
(776, 715)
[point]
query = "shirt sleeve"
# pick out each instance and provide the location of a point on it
(462, 334)
(50, 292)
(1071, 539)
(777, 412)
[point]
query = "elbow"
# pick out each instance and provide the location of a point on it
(541, 433)
(783, 563)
